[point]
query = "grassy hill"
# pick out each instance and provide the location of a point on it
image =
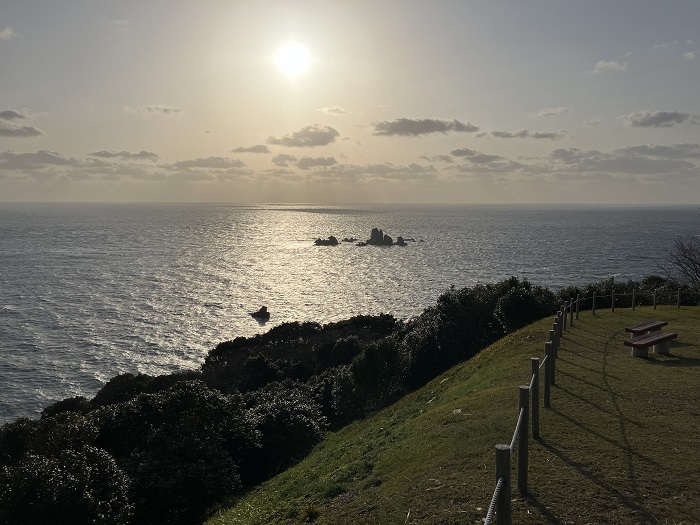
(618, 445)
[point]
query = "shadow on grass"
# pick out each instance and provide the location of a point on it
(615, 413)
(550, 518)
(591, 370)
(624, 447)
(674, 360)
(636, 504)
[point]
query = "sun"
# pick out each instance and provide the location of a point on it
(293, 59)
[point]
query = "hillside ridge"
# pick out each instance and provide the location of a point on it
(617, 444)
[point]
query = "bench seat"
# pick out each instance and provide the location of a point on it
(645, 327)
(661, 341)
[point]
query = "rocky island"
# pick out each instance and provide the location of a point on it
(377, 238)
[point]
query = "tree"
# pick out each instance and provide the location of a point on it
(683, 264)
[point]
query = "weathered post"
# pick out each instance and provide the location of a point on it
(565, 313)
(593, 303)
(555, 354)
(547, 373)
(633, 290)
(554, 337)
(578, 304)
(654, 298)
(613, 299)
(504, 514)
(678, 299)
(535, 395)
(522, 438)
(571, 312)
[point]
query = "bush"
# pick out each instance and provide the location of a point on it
(377, 374)
(16, 439)
(72, 404)
(523, 304)
(290, 423)
(175, 444)
(74, 487)
(179, 472)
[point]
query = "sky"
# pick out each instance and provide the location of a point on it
(483, 101)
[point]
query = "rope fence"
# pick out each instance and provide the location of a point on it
(565, 318)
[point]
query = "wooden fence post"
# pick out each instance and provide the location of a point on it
(633, 291)
(571, 312)
(522, 438)
(654, 298)
(565, 313)
(504, 514)
(555, 340)
(678, 299)
(593, 303)
(547, 373)
(535, 395)
(613, 299)
(578, 304)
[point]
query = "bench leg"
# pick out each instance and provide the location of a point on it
(640, 352)
(663, 348)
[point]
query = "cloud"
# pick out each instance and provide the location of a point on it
(191, 176)
(119, 26)
(463, 152)
(306, 163)
(309, 136)
(258, 148)
(42, 159)
(154, 109)
(666, 45)
(437, 158)
(690, 55)
(609, 65)
(8, 34)
(524, 133)
(334, 110)
(11, 114)
(216, 163)
(125, 155)
(626, 161)
(283, 160)
(683, 150)
(550, 112)
(375, 172)
(414, 127)
(279, 174)
(595, 121)
(11, 130)
(657, 119)
(485, 162)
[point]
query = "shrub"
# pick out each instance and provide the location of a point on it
(16, 439)
(72, 404)
(290, 423)
(523, 304)
(178, 473)
(83, 486)
(377, 374)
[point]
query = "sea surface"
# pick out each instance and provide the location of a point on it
(89, 291)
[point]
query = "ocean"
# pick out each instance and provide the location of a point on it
(89, 291)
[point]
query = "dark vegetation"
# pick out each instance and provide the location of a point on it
(166, 449)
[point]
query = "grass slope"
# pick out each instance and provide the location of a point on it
(618, 445)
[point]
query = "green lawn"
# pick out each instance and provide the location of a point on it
(618, 445)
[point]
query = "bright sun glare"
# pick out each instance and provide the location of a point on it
(292, 59)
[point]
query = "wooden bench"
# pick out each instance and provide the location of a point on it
(644, 328)
(661, 341)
